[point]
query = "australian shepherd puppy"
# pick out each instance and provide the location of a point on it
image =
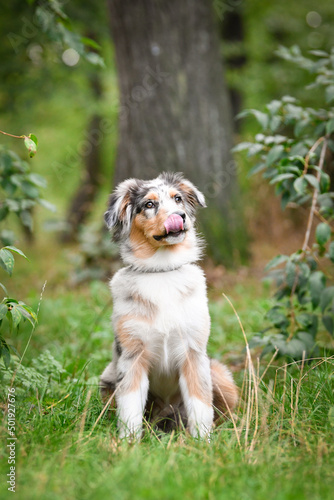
(160, 368)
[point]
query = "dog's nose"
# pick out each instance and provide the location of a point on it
(181, 214)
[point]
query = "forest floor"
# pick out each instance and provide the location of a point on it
(277, 445)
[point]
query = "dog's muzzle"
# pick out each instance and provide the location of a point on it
(174, 225)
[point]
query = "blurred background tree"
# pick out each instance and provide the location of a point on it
(47, 85)
(174, 108)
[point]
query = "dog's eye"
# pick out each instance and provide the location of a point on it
(177, 199)
(149, 204)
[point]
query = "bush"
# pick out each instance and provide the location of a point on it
(295, 149)
(20, 192)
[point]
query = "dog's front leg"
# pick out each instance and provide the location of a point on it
(196, 389)
(131, 395)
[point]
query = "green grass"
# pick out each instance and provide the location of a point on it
(278, 446)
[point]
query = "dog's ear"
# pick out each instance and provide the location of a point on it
(193, 195)
(119, 213)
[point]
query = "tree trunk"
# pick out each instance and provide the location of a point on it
(233, 37)
(174, 108)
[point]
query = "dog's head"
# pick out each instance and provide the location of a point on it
(150, 215)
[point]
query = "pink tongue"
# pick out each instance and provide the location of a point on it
(173, 224)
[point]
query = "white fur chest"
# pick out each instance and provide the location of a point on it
(178, 303)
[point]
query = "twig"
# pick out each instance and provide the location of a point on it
(31, 334)
(252, 377)
(313, 148)
(315, 192)
(11, 135)
(84, 415)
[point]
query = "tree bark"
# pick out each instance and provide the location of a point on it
(174, 108)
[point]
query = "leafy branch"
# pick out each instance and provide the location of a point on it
(292, 161)
(20, 192)
(30, 142)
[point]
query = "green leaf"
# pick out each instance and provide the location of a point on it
(331, 251)
(6, 261)
(33, 138)
(276, 261)
(300, 185)
(94, 58)
(293, 169)
(90, 43)
(329, 92)
(323, 233)
(38, 180)
(318, 53)
(277, 318)
(325, 182)
(29, 189)
(9, 301)
(312, 181)
(330, 126)
(304, 320)
(31, 146)
(46, 204)
(307, 339)
(3, 213)
(3, 310)
(274, 154)
(28, 313)
(4, 352)
(254, 149)
(26, 219)
(328, 323)
(274, 106)
(16, 315)
(262, 118)
(242, 146)
(16, 250)
(291, 274)
(258, 168)
(281, 177)
(326, 298)
(295, 348)
(317, 282)
(301, 126)
(4, 288)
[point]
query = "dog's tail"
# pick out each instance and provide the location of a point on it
(225, 392)
(108, 384)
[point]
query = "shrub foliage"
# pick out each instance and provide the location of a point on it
(20, 192)
(295, 151)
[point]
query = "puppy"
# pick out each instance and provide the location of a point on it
(161, 321)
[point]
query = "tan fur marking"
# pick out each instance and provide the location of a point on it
(140, 365)
(154, 225)
(191, 197)
(173, 192)
(225, 392)
(149, 308)
(142, 248)
(188, 292)
(136, 348)
(190, 373)
(128, 341)
(152, 196)
(142, 232)
(123, 207)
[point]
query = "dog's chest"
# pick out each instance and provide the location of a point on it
(175, 304)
